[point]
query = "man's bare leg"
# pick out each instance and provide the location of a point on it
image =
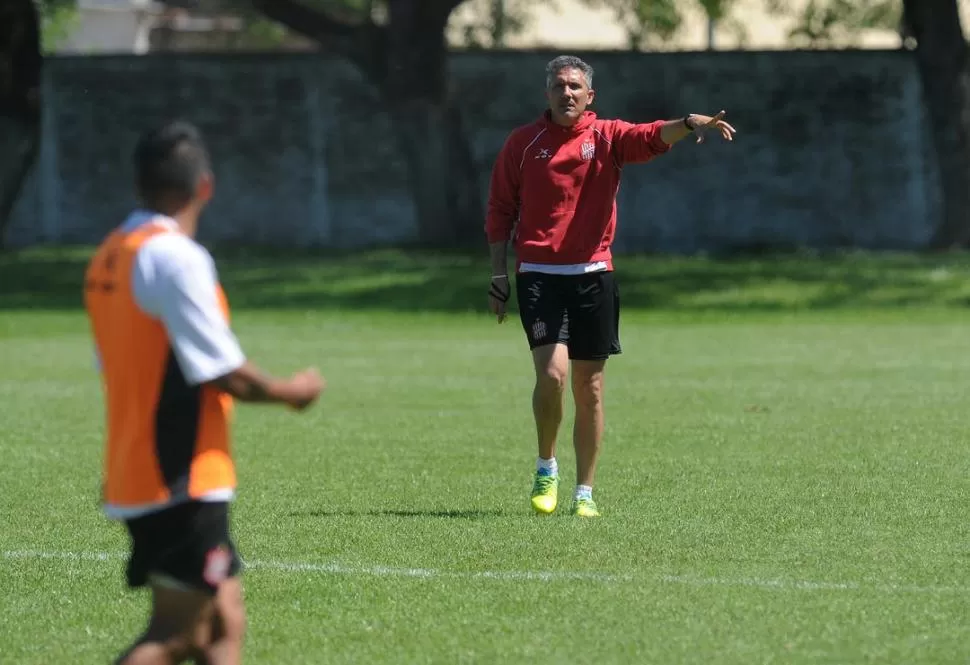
(192, 625)
(587, 383)
(171, 633)
(552, 367)
(228, 626)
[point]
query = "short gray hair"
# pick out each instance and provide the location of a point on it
(562, 62)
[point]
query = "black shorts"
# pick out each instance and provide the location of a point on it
(186, 546)
(580, 311)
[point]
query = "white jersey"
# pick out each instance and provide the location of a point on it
(174, 281)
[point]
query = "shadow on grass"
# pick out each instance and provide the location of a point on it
(415, 281)
(441, 514)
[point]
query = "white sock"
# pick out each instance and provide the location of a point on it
(548, 465)
(584, 492)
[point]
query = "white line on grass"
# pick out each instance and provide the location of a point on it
(341, 569)
(519, 575)
(384, 571)
(808, 585)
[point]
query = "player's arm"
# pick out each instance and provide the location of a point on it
(498, 258)
(183, 293)
(636, 143)
(503, 203)
(641, 142)
(672, 131)
(502, 209)
(251, 384)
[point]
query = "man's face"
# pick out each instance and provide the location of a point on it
(569, 94)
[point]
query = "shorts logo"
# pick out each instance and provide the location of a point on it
(217, 562)
(538, 330)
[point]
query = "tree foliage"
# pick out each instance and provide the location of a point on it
(648, 23)
(645, 21)
(817, 24)
(494, 22)
(57, 19)
(822, 23)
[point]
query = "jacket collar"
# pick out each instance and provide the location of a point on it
(584, 123)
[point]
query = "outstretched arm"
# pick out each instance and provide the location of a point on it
(673, 131)
(249, 384)
(641, 142)
(181, 291)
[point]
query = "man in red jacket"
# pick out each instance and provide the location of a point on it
(555, 182)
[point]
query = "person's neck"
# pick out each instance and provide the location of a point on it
(188, 221)
(187, 218)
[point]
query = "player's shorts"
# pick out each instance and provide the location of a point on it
(187, 547)
(580, 311)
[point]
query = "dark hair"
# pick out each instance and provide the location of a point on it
(169, 161)
(562, 62)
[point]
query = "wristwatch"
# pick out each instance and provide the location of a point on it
(687, 122)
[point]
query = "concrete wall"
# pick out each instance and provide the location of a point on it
(833, 148)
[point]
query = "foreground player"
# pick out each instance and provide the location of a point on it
(557, 179)
(170, 368)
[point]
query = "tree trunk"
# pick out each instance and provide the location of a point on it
(499, 27)
(20, 63)
(407, 59)
(941, 55)
(442, 173)
(428, 123)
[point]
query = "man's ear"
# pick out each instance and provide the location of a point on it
(205, 188)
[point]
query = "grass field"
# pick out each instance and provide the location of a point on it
(784, 479)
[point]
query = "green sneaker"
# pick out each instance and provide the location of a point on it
(545, 493)
(585, 508)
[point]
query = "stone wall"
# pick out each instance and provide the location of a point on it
(832, 150)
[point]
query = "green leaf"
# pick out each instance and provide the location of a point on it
(58, 18)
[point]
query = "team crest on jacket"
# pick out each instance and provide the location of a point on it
(588, 150)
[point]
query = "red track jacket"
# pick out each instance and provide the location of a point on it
(560, 183)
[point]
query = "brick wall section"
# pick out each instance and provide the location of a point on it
(833, 147)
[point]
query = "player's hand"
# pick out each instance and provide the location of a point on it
(306, 387)
(705, 123)
(498, 296)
